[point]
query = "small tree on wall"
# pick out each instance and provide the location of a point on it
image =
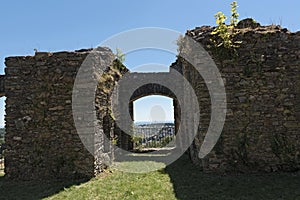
(223, 34)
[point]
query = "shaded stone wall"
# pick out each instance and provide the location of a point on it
(41, 138)
(111, 132)
(262, 128)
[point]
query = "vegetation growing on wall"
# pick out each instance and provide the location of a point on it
(285, 150)
(120, 56)
(223, 35)
(225, 32)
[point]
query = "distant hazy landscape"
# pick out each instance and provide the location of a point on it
(151, 122)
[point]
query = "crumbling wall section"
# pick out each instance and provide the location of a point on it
(262, 128)
(41, 138)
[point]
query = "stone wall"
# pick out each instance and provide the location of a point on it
(41, 138)
(45, 138)
(111, 132)
(262, 128)
(261, 131)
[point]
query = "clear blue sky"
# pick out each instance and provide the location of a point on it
(70, 24)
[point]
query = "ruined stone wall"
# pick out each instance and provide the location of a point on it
(112, 134)
(262, 128)
(261, 131)
(41, 138)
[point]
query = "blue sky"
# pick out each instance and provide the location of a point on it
(69, 24)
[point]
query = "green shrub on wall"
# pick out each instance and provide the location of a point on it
(223, 35)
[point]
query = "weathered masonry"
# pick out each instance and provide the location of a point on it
(261, 131)
(41, 139)
(262, 82)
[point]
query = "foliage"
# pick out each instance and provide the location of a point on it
(120, 55)
(284, 149)
(234, 19)
(225, 33)
(242, 147)
(114, 140)
(222, 31)
(254, 64)
(180, 43)
(162, 142)
(137, 141)
(247, 71)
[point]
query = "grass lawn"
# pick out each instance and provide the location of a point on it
(181, 180)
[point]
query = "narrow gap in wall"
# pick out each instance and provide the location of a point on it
(153, 123)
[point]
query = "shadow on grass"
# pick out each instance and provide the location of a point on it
(32, 190)
(190, 183)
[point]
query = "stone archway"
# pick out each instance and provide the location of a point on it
(155, 133)
(156, 89)
(125, 141)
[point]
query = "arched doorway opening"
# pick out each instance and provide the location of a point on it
(154, 123)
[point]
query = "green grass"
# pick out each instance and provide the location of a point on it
(181, 180)
(138, 166)
(154, 185)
